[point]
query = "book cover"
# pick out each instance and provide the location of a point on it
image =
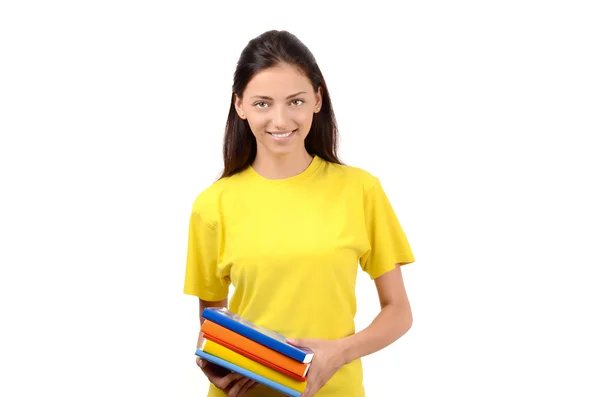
(257, 368)
(266, 337)
(249, 374)
(254, 350)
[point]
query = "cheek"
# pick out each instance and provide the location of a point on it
(257, 124)
(304, 119)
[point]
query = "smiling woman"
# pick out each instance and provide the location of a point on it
(280, 105)
(288, 225)
(279, 121)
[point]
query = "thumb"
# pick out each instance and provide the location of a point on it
(299, 342)
(294, 341)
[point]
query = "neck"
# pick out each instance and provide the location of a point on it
(280, 167)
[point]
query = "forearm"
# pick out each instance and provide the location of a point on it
(391, 323)
(203, 305)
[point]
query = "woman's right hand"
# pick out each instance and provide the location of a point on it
(231, 383)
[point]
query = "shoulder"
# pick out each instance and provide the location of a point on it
(207, 202)
(352, 175)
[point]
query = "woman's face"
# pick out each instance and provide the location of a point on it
(279, 104)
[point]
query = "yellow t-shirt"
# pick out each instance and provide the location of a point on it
(292, 248)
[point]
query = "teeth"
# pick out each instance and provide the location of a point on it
(282, 135)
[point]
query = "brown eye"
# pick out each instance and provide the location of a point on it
(261, 105)
(297, 102)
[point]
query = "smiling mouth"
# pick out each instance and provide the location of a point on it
(281, 135)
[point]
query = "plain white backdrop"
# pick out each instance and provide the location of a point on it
(478, 117)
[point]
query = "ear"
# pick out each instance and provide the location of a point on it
(238, 106)
(318, 100)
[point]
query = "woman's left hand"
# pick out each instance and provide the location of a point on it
(326, 362)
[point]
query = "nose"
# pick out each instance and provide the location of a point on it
(281, 119)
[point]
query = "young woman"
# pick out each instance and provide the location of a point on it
(288, 225)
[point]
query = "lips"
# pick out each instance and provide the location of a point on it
(281, 134)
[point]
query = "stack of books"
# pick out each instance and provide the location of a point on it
(252, 351)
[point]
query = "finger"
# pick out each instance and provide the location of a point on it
(306, 392)
(310, 390)
(237, 387)
(224, 381)
(244, 389)
(234, 387)
(248, 386)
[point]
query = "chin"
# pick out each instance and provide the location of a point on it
(278, 151)
(283, 146)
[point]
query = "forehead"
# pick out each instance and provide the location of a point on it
(278, 82)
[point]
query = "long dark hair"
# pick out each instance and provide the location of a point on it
(267, 50)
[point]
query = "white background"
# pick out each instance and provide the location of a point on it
(479, 118)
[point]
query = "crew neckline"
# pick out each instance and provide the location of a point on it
(312, 167)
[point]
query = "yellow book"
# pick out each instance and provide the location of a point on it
(226, 354)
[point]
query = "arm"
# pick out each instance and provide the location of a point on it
(394, 320)
(390, 324)
(231, 383)
(203, 305)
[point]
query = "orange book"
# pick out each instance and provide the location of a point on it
(254, 350)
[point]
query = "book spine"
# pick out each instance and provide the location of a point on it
(256, 358)
(255, 335)
(235, 358)
(253, 349)
(248, 374)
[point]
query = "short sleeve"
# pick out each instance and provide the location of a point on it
(387, 241)
(202, 277)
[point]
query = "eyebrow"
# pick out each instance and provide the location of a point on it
(289, 96)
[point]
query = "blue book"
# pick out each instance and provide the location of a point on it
(265, 337)
(248, 374)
